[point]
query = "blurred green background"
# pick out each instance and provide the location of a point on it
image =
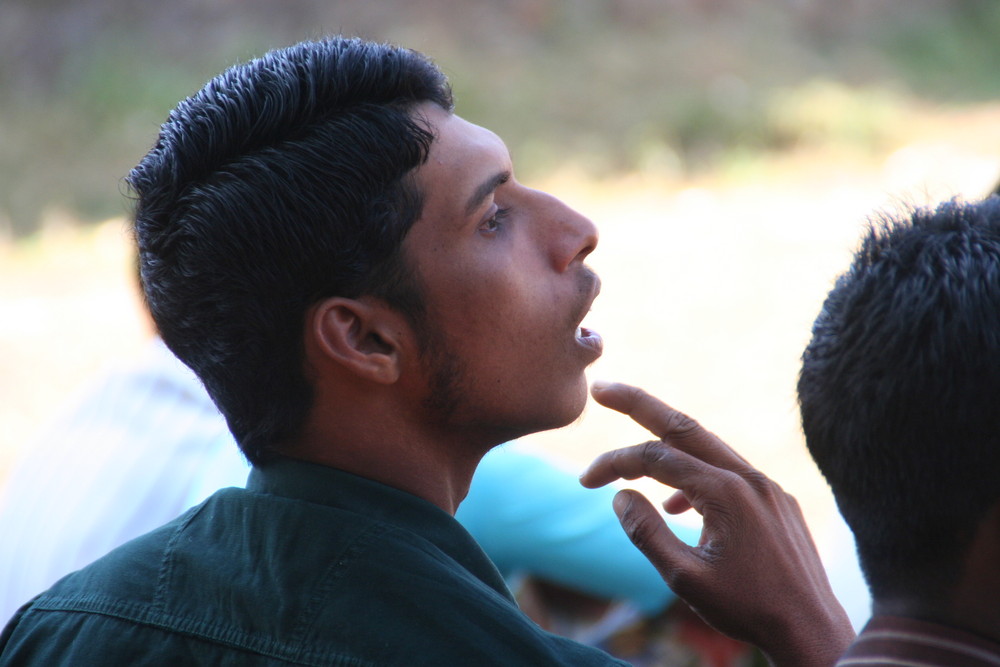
(673, 87)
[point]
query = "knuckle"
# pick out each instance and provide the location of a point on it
(636, 395)
(761, 483)
(653, 453)
(792, 502)
(730, 484)
(657, 458)
(681, 579)
(676, 424)
(752, 486)
(687, 579)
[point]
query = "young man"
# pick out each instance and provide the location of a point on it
(374, 302)
(899, 390)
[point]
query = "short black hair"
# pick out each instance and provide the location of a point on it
(285, 180)
(900, 393)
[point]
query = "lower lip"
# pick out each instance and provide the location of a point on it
(590, 340)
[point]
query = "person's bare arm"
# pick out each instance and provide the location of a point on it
(755, 575)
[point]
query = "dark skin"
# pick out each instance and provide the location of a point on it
(971, 604)
(756, 574)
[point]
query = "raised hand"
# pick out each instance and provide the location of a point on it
(755, 574)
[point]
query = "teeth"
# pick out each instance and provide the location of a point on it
(579, 331)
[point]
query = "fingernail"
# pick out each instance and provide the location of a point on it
(599, 385)
(622, 501)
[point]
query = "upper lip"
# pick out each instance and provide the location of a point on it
(595, 289)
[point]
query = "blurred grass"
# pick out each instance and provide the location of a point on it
(950, 54)
(677, 88)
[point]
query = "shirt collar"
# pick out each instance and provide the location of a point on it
(322, 485)
(909, 638)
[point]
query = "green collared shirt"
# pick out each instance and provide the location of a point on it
(307, 566)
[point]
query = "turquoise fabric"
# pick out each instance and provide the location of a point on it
(533, 518)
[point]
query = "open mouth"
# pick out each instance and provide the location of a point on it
(590, 339)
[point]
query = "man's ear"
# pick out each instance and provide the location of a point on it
(364, 335)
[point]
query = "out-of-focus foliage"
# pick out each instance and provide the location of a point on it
(669, 86)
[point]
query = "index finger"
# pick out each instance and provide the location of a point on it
(669, 425)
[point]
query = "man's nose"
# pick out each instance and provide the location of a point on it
(572, 236)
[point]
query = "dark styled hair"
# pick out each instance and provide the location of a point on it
(900, 393)
(284, 181)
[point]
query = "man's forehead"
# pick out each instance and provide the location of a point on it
(456, 139)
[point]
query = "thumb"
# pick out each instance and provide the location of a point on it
(651, 535)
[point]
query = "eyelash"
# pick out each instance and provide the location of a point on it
(495, 220)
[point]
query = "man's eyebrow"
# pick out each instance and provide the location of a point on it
(485, 189)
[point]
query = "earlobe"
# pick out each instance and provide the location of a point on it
(358, 334)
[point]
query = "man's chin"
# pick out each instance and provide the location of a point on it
(554, 417)
(570, 410)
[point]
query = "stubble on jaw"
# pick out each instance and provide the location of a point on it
(447, 375)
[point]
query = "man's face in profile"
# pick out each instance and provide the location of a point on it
(502, 274)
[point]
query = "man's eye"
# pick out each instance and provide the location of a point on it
(495, 222)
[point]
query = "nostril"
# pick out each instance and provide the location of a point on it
(590, 237)
(585, 251)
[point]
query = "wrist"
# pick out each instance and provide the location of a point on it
(811, 641)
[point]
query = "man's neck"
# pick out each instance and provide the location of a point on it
(438, 470)
(971, 601)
